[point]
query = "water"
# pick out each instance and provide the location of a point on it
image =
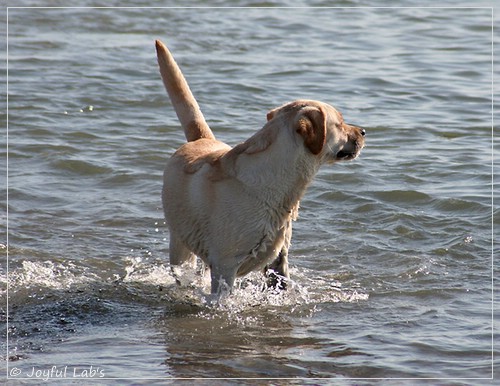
(391, 255)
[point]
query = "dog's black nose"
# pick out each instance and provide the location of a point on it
(363, 131)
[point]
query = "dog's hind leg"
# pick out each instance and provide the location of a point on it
(180, 255)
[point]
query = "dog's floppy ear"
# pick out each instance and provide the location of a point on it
(271, 113)
(311, 125)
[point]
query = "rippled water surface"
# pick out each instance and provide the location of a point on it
(391, 255)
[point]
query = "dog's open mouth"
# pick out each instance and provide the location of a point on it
(343, 155)
(353, 146)
(349, 152)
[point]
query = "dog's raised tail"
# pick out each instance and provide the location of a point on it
(186, 107)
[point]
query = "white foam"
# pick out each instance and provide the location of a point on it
(305, 292)
(137, 270)
(48, 274)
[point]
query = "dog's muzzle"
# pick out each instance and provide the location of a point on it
(353, 146)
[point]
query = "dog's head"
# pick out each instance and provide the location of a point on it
(322, 129)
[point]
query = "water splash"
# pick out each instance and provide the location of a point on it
(191, 285)
(153, 282)
(49, 274)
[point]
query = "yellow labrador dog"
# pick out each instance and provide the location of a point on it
(233, 207)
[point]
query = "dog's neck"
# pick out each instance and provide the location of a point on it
(281, 172)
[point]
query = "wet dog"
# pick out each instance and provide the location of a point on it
(234, 207)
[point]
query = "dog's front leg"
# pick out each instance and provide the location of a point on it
(222, 279)
(277, 272)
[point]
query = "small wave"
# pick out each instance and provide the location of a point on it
(120, 178)
(81, 167)
(458, 205)
(405, 196)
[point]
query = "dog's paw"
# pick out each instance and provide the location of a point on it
(275, 280)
